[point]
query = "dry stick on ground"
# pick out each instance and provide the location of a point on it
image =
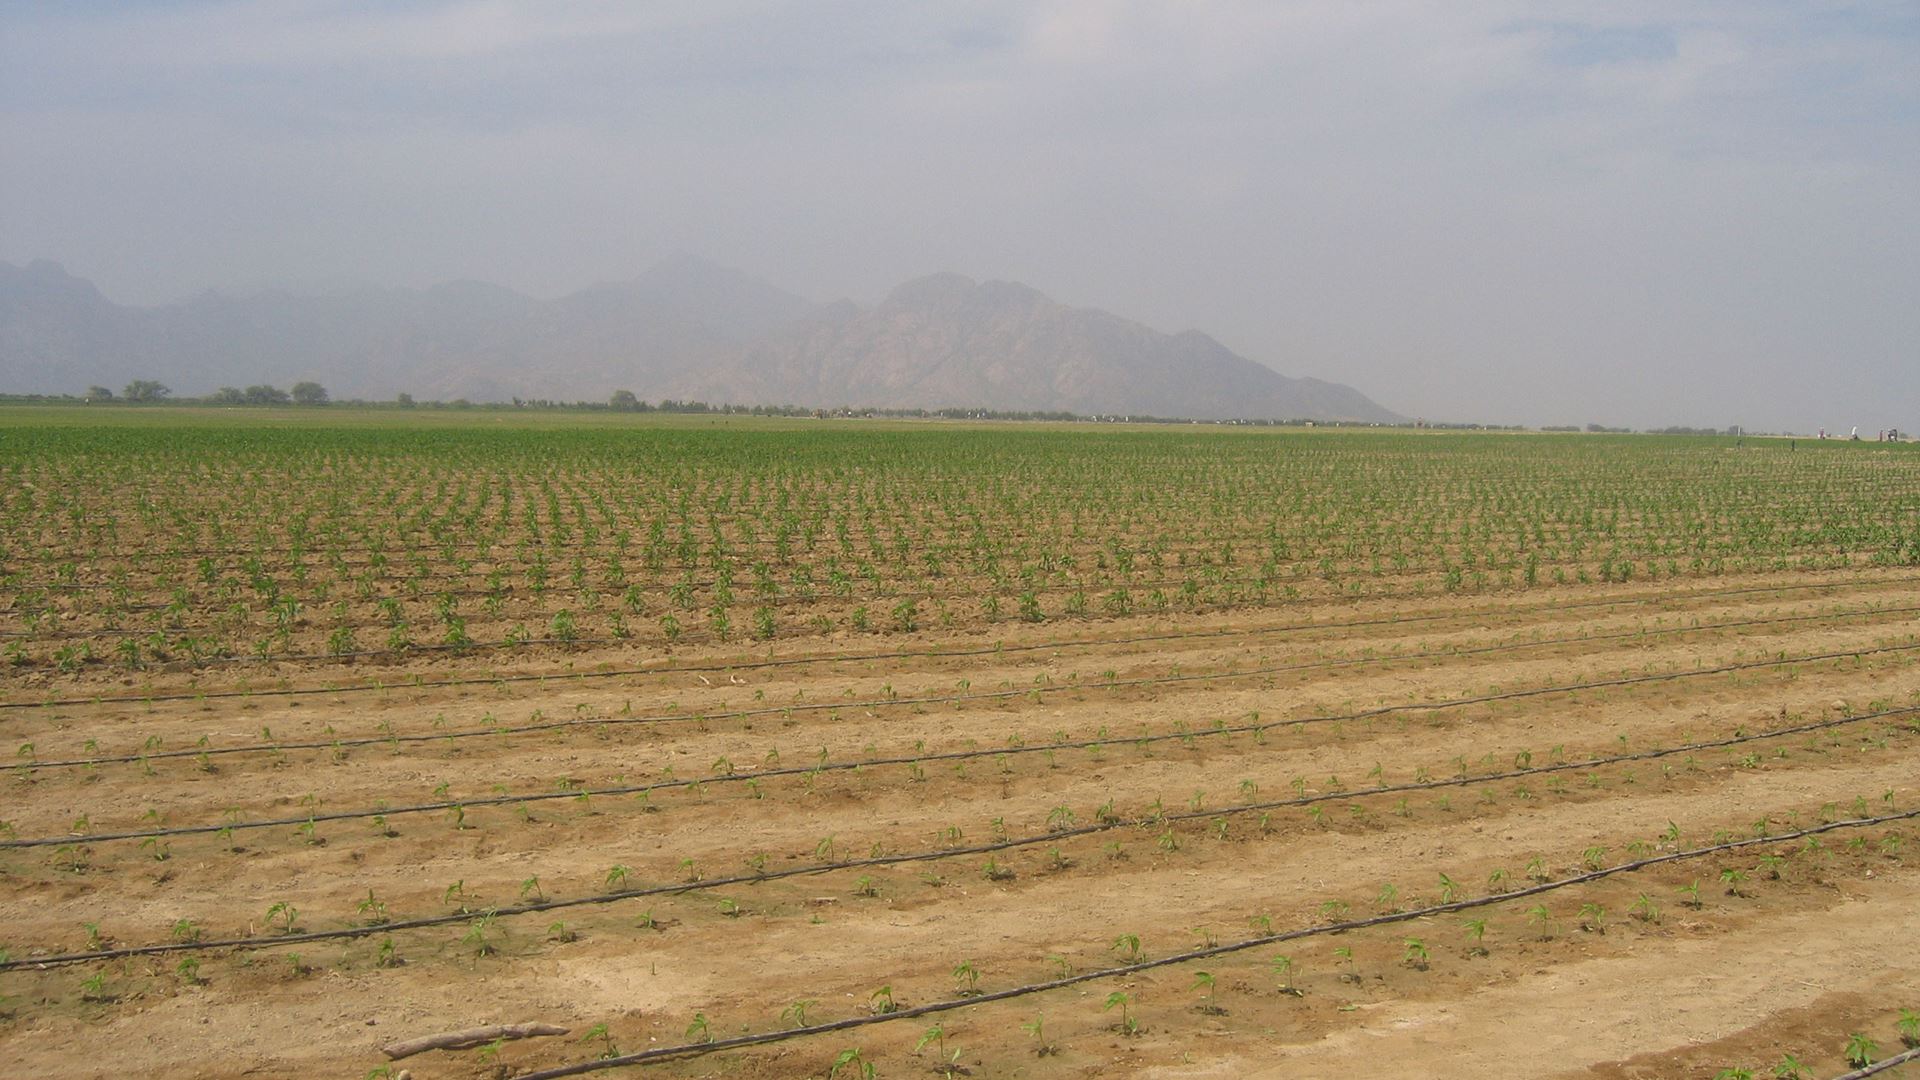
(460, 1040)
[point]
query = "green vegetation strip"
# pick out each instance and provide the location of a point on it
(686, 1050)
(29, 764)
(991, 847)
(891, 654)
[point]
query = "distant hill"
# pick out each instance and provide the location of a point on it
(948, 341)
(686, 329)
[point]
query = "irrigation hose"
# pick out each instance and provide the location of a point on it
(1002, 695)
(686, 1050)
(938, 854)
(946, 756)
(1874, 1069)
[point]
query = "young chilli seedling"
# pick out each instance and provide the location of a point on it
(1037, 1028)
(968, 977)
(851, 1060)
(1416, 954)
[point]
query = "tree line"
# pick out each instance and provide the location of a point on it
(147, 391)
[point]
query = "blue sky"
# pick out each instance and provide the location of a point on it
(1551, 212)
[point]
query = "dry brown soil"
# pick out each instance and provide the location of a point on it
(1786, 947)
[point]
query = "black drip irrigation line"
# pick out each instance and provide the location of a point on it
(1003, 695)
(686, 1050)
(900, 654)
(960, 755)
(1878, 1067)
(991, 847)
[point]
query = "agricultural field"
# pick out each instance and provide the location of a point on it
(772, 748)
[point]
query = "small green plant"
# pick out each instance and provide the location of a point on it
(1645, 909)
(699, 1031)
(476, 937)
(881, 1001)
(286, 914)
(1732, 877)
(1859, 1050)
(599, 1032)
(937, 1035)
(1476, 931)
(1037, 1027)
(1128, 946)
(1282, 967)
(795, 1015)
(1542, 918)
(968, 977)
(1128, 1025)
(849, 1059)
(1415, 954)
(1593, 918)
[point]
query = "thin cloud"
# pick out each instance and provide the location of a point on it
(1686, 211)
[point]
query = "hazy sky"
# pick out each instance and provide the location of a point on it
(1684, 211)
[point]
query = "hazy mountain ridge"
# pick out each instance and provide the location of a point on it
(685, 328)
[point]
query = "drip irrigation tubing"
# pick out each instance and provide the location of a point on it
(935, 855)
(1002, 695)
(686, 1050)
(956, 755)
(891, 654)
(1875, 1069)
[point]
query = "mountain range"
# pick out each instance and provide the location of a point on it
(684, 329)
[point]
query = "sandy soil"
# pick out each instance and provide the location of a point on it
(1451, 704)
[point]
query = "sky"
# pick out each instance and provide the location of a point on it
(1699, 212)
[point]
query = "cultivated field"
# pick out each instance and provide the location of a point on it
(757, 748)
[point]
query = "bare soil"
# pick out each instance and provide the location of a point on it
(1378, 757)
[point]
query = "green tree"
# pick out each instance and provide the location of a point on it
(99, 393)
(263, 394)
(624, 401)
(309, 393)
(145, 390)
